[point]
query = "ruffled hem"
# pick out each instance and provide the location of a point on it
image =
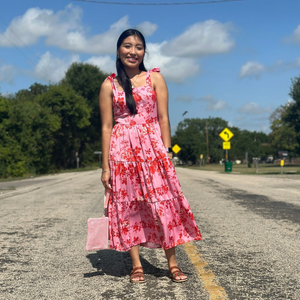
(164, 224)
(154, 246)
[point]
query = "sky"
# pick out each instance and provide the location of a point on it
(233, 60)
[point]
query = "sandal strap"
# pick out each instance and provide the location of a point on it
(174, 267)
(133, 271)
(177, 272)
(137, 275)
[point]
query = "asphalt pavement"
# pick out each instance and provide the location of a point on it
(250, 247)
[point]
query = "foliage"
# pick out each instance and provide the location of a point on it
(40, 130)
(291, 117)
(191, 137)
(69, 114)
(85, 80)
(44, 127)
(283, 136)
(256, 144)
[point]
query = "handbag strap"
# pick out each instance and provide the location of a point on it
(106, 197)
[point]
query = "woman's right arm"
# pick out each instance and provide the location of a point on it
(105, 104)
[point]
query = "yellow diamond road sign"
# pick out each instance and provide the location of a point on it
(226, 135)
(176, 149)
(226, 145)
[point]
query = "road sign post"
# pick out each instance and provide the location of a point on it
(281, 165)
(282, 155)
(176, 149)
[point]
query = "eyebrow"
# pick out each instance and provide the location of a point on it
(131, 44)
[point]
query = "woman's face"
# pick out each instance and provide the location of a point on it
(131, 52)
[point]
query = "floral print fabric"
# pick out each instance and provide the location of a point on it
(146, 205)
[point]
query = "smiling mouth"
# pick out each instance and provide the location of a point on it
(132, 59)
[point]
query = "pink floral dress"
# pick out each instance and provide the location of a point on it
(146, 205)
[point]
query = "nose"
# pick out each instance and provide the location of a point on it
(132, 50)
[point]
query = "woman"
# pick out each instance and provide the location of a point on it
(146, 205)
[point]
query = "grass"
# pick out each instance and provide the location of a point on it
(89, 168)
(28, 176)
(263, 169)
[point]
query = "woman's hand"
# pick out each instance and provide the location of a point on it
(170, 155)
(105, 177)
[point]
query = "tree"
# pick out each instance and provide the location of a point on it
(283, 136)
(12, 160)
(191, 137)
(29, 94)
(255, 143)
(70, 113)
(30, 125)
(86, 79)
(292, 114)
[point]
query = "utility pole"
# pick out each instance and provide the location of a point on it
(207, 159)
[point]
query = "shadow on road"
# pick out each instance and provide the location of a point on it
(118, 264)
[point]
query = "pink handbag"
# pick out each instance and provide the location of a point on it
(98, 230)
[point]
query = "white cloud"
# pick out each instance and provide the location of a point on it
(7, 73)
(292, 65)
(297, 62)
(36, 23)
(213, 104)
(289, 102)
(53, 69)
(62, 29)
(173, 68)
(297, 34)
(254, 109)
(295, 37)
(206, 98)
(105, 63)
(184, 98)
(77, 41)
(255, 69)
(216, 106)
(209, 37)
(252, 69)
(255, 126)
(147, 28)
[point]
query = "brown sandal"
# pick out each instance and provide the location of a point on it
(136, 276)
(176, 273)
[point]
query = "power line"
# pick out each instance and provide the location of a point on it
(158, 4)
(33, 63)
(18, 38)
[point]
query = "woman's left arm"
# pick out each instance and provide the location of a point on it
(161, 90)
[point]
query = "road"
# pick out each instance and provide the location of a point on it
(250, 248)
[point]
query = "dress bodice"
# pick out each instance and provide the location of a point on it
(145, 99)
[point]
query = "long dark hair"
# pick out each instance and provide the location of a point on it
(123, 78)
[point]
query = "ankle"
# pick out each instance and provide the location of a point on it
(136, 265)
